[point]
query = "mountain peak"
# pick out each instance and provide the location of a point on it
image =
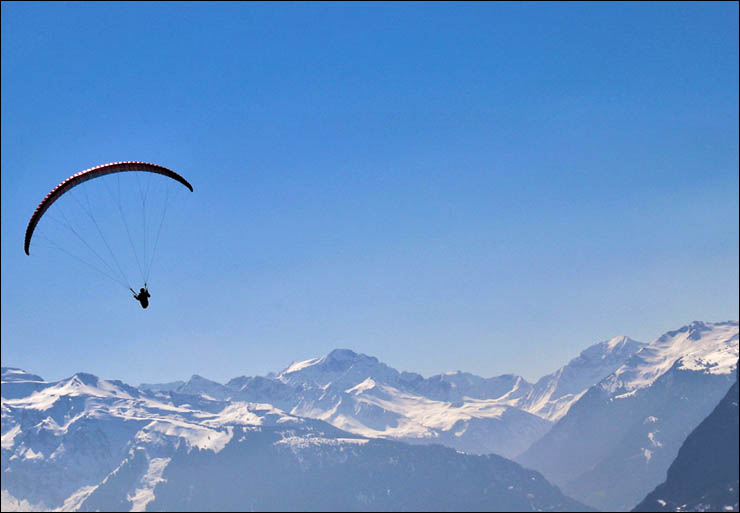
(336, 360)
(342, 367)
(197, 378)
(85, 378)
(617, 341)
(553, 395)
(342, 359)
(200, 386)
(341, 355)
(613, 348)
(695, 329)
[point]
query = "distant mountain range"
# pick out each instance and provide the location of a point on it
(606, 427)
(87, 444)
(359, 394)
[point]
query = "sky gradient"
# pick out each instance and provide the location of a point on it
(483, 187)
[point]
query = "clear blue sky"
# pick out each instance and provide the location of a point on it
(484, 187)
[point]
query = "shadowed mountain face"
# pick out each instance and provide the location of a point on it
(704, 475)
(616, 443)
(271, 469)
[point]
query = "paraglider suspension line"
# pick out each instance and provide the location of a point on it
(159, 230)
(125, 223)
(100, 232)
(107, 275)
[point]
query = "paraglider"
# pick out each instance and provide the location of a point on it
(142, 297)
(109, 263)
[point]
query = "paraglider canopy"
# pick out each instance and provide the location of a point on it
(89, 174)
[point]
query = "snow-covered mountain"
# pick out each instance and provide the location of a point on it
(358, 393)
(86, 444)
(341, 368)
(616, 442)
(198, 385)
(704, 475)
(552, 396)
(382, 411)
(92, 443)
(456, 386)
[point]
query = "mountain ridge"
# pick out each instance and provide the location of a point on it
(616, 442)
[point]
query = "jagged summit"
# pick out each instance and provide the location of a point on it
(553, 395)
(340, 354)
(612, 349)
(342, 368)
(198, 385)
(197, 378)
(700, 346)
(336, 360)
(694, 329)
(85, 378)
